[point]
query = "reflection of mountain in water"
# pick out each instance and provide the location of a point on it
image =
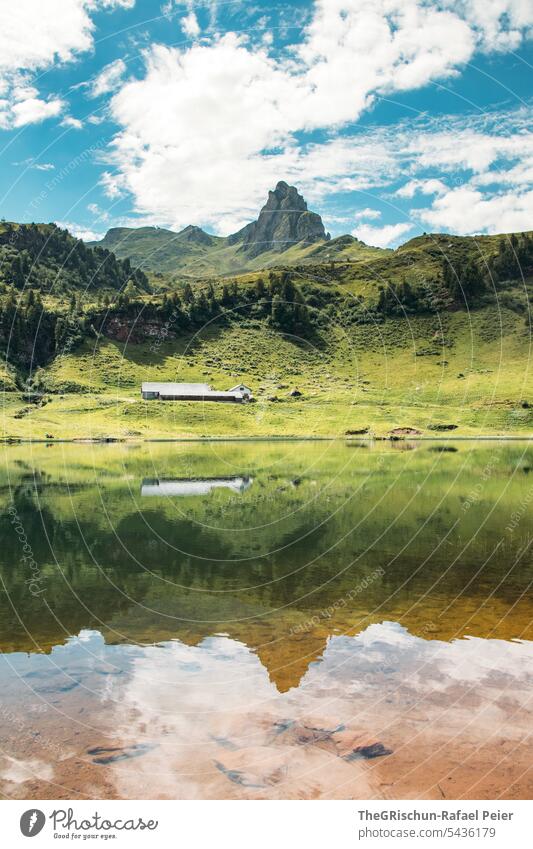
(214, 720)
(193, 486)
(281, 567)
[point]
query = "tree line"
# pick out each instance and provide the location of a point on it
(467, 280)
(45, 257)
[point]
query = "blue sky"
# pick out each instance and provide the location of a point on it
(393, 117)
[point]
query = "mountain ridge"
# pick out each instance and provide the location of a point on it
(285, 234)
(284, 222)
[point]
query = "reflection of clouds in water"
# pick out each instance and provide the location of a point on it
(472, 660)
(18, 771)
(201, 702)
(389, 649)
(219, 675)
(222, 674)
(201, 713)
(188, 699)
(385, 633)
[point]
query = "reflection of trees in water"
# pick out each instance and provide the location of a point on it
(307, 548)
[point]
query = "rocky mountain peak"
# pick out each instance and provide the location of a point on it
(195, 234)
(286, 198)
(283, 221)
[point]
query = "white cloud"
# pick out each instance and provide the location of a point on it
(32, 40)
(73, 123)
(499, 24)
(33, 111)
(518, 175)
(37, 166)
(109, 78)
(190, 25)
(367, 214)
(423, 187)
(467, 148)
(356, 48)
(204, 114)
(381, 237)
(113, 184)
(111, 4)
(465, 211)
(101, 214)
(80, 232)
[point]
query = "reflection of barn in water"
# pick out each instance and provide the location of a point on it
(193, 486)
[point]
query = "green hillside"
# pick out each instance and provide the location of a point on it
(194, 253)
(435, 334)
(157, 249)
(172, 255)
(468, 370)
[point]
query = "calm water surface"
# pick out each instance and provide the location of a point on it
(266, 620)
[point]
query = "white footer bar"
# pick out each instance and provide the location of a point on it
(267, 825)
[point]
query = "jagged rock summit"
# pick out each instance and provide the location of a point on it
(283, 221)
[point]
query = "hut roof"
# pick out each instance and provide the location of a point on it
(177, 388)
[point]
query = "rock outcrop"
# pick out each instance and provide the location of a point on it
(196, 235)
(283, 221)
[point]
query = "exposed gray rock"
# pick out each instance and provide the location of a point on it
(283, 221)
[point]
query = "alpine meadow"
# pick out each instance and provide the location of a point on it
(334, 337)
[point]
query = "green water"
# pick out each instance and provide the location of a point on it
(155, 541)
(252, 584)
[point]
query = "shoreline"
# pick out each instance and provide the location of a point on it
(112, 440)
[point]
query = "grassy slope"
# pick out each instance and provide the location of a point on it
(394, 374)
(160, 250)
(169, 253)
(157, 249)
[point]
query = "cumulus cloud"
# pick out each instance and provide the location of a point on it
(32, 40)
(465, 210)
(33, 111)
(72, 123)
(499, 24)
(190, 25)
(423, 187)
(367, 214)
(381, 237)
(63, 31)
(209, 128)
(80, 231)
